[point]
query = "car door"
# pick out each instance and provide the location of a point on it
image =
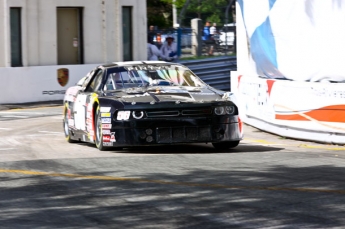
(82, 101)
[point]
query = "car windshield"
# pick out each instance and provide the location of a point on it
(151, 75)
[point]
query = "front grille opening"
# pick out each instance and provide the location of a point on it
(152, 114)
(175, 113)
(183, 134)
(197, 112)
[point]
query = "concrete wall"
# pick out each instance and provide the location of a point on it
(102, 21)
(37, 84)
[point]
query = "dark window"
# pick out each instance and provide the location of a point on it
(127, 33)
(16, 37)
(95, 82)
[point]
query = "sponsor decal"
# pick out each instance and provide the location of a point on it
(106, 132)
(106, 126)
(148, 67)
(57, 92)
(123, 115)
(105, 114)
(62, 76)
(107, 144)
(104, 109)
(106, 120)
(71, 122)
(112, 137)
(106, 138)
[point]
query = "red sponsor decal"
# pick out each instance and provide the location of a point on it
(239, 80)
(106, 138)
(270, 86)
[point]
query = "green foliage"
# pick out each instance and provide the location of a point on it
(155, 10)
(210, 10)
(207, 10)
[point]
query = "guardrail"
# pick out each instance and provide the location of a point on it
(214, 71)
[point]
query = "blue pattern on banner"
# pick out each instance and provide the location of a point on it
(240, 2)
(272, 3)
(262, 47)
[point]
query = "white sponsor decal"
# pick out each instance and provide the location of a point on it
(123, 115)
(106, 120)
(106, 126)
(112, 137)
(71, 122)
(107, 144)
(107, 132)
(80, 112)
(104, 109)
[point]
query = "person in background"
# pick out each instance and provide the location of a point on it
(206, 37)
(152, 51)
(206, 31)
(213, 29)
(169, 49)
(152, 31)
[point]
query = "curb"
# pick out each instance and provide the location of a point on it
(4, 107)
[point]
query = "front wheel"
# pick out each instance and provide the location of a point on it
(98, 130)
(225, 145)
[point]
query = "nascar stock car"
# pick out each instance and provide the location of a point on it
(134, 103)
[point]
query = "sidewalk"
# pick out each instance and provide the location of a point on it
(31, 105)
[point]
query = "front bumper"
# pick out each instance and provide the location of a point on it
(174, 131)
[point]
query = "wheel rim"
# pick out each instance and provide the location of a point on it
(98, 128)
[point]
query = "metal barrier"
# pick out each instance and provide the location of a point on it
(214, 71)
(220, 47)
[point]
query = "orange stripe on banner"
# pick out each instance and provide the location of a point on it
(295, 117)
(335, 113)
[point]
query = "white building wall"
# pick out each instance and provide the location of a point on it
(102, 30)
(102, 43)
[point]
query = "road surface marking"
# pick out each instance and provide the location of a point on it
(140, 180)
(13, 116)
(50, 132)
(36, 108)
(6, 149)
(324, 147)
(5, 128)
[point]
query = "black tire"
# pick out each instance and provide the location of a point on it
(98, 131)
(225, 145)
(67, 130)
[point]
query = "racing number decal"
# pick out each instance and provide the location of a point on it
(80, 112)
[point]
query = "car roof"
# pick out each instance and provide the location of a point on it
(133, 63)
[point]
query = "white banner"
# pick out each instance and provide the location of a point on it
(301, 40)
(304, 110)
(37, 84)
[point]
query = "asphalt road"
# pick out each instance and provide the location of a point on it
(266, 182)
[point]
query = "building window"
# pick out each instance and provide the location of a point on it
(127, 33)
(16, 37)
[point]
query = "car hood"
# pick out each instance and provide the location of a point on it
(167, 94)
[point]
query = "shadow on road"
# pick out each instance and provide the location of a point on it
(239, 198)
(189, 149)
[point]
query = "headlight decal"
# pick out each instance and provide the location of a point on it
(123, 115)
(219, 110)
(223, 110)
(230, 109)
(138, 114)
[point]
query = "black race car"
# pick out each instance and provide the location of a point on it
(146, 103)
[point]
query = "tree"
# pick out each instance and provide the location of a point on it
(210, 10)
(155, 10)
